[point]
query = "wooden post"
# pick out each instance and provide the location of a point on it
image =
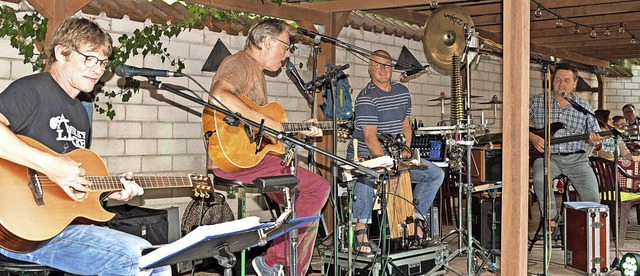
(516, 88)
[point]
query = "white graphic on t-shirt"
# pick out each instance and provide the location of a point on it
(67, 132)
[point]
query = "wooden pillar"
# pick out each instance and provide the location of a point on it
(602, 95)
(56, 11)
(515, 134)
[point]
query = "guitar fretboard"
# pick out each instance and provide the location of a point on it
(146, 182)
(302, 126)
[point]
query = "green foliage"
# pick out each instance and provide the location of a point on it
(24, 34)
(31, 30)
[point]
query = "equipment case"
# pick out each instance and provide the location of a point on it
(587, 237)
(412, 262)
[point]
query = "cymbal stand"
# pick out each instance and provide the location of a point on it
(468, 141)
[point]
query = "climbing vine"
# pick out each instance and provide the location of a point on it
(30, 30)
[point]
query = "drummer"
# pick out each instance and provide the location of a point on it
(384, 107)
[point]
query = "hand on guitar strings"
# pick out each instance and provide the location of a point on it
(131, 188)
(69, 175)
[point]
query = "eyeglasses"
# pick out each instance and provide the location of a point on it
(377, 65)
(91, 61)
(287, 44)
(567, 80)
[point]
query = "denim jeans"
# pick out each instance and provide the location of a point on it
(576, 167)
(90, 250)
(428, 180)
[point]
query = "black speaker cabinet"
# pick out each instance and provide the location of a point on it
(487, 164)
(481, 220)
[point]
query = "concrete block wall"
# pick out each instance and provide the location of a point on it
(621, 91)
(157, 133)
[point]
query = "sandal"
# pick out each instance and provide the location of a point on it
(358, 245)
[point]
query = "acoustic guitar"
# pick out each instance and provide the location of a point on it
(34, 209)
(233, 147)
(535, 154)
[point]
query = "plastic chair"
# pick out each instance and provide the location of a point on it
(603, 169)
(15, 267)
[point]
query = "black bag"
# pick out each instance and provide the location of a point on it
(149, 224)
(206, 211)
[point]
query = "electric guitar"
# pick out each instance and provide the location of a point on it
(535, 154)
(233, 147)
(34, 209)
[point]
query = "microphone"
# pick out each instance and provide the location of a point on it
(296, 76)
(574, 104)
(321, 79)
(385, 138)
(404, 76)
(131, 71)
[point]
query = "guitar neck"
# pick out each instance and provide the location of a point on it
(110, 183)
(565, 139)
(302, 126)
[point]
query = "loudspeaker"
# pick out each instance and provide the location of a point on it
(481, 220)
(487, 164)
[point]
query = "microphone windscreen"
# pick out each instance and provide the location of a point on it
(290, 67)
(122, 71)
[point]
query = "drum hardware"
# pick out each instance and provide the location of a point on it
(449, 41)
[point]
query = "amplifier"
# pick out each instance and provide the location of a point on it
(487, 164)
(432, 147)
(481, 220)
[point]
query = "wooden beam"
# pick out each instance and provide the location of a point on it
(294, 12)
(515, 134)
(602, 94)
(350, 5)
(404, 14)
(56, 11)
(568, 55)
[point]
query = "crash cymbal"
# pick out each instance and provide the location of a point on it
(444, 35)
(494, 100)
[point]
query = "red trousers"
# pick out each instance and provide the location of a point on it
(311, 195)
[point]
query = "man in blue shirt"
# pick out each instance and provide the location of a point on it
(570, 158)
(384, 106)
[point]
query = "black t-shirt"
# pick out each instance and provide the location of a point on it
(37, 107)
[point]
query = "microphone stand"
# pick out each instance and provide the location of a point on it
(311, 162)
(281, 136)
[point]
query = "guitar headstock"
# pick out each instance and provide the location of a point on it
(345, 129)
(630, 133)
(201, 185)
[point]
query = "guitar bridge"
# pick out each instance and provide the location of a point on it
(36, 187)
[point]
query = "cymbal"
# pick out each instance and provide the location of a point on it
(489, 138)
(444, 35)
(494, 100)
(479, 109)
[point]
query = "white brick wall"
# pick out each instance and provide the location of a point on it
(157, 133)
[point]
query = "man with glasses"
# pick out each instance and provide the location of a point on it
(266, 47)
(570, 158)
(384, 106)
(45, 108)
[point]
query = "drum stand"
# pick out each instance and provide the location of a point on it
(467, 140)
(493, 252)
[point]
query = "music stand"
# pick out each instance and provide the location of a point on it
(219, 242)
